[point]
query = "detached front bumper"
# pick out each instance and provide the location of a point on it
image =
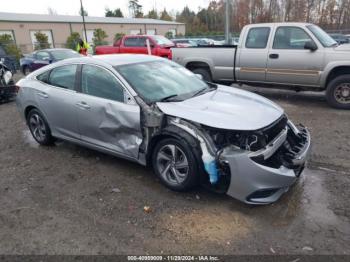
(261, 177)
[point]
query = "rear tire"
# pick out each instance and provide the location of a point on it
(204, 73)
(26, 70)
(338, 92)
(39, 128)
(174, 163)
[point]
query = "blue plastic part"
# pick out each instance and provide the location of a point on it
(212, 170)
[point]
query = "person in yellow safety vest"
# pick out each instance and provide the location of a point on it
(82, 47)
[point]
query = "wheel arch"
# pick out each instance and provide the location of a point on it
(335, 72)
(176, 133)
(28, 109)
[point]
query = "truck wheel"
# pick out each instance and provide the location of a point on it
(338, 92)
(204, 73)
(175, 164)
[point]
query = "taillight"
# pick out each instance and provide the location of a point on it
(170, 55)
(17, 88)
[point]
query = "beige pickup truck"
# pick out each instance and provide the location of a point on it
(297, 56)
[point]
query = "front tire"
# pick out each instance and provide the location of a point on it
(39, 128)
(338, 92)
(175, 164)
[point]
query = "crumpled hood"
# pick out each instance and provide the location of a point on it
(226, 108)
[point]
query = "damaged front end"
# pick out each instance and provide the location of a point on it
(256, 167)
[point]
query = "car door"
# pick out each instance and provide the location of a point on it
(41, 58)
(288, 61)
(253, 54)
(57, 97)
(104, 118)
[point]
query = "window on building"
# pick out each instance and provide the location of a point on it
(8, 32)
(89, 34)
(172, 32)
(151, 31)
(48, 33)
(135, 32)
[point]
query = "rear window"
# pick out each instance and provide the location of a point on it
(44, 77)
(257, 37)
(63, 76)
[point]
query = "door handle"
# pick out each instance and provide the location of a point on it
(42, 94)
(274, 56)
(83, 105)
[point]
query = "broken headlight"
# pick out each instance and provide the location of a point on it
(245, 140)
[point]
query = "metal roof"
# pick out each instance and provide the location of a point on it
(40, 18)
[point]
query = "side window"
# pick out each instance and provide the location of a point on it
(257, 37)
(42, 55)
(44, 77)
(63, 76)
(142, 42)
(290, 38)
(131, 41)
(100, 83)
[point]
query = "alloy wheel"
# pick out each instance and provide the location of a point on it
(37, 127)
(172, 164)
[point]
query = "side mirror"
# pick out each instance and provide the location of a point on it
(47, 59)
(199, 76)
(310, 45)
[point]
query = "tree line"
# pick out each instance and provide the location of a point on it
(329, 14)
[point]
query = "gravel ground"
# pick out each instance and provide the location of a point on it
(67, 199)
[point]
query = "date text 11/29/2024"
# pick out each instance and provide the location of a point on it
(173, 258)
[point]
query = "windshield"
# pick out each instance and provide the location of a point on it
(157, 80)
(161, 40)
(322, 36)
(64, 54)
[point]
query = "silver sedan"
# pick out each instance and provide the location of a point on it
(155, 112)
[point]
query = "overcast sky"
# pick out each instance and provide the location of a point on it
(94, 7)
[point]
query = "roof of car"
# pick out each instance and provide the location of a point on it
(54, 49)
(115, 60)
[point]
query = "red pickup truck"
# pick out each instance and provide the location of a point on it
(136, 44)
